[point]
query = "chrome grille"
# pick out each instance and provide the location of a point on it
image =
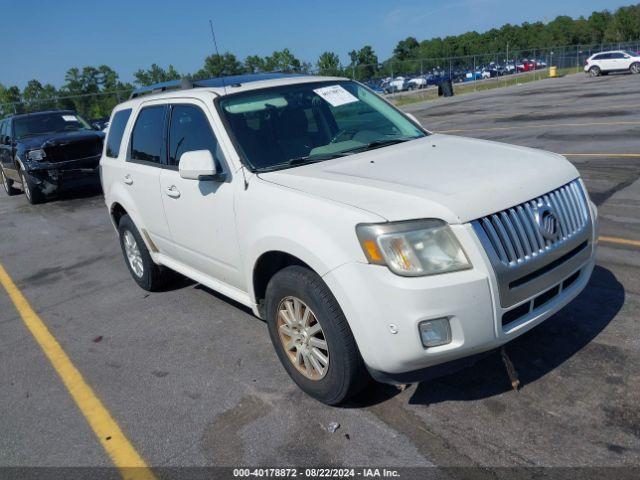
(515, 234)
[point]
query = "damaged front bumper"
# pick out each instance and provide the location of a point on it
(56, 176)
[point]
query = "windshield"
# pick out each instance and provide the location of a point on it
(631, 54)
(295, 124)
(41, 124)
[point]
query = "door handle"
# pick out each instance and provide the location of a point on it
(128, 180)
(173, 192)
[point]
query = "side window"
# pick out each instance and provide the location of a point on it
(147, 138)
(116, 130)
(190, 130)
(617, 55)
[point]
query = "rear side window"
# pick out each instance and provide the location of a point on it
(147, 138)
(189, 131)
(603, 56)
(116, 130)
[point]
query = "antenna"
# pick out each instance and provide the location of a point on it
(215, 45)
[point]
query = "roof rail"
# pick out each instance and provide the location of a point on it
(219, 82)
(181, 84)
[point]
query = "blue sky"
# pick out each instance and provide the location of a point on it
(44, 39)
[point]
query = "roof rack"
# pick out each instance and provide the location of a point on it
(219, 82)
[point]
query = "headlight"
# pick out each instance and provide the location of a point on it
(413, 248)
(36, 155)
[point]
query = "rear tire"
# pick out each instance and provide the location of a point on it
(635, 68)
(342, 373)
(8, 184)
(595, 71)
(145, 272)
(31, 190)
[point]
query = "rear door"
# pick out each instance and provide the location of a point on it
(605, 62)
(200, 213)
(7, 150)
(140, 174)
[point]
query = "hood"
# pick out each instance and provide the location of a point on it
(440, 176)
(59, 139)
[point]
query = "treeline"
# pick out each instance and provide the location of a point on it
(94, 91)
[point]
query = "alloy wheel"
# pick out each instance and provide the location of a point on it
(25, 186)
(635, 68)
(5, 181)
(133, 253)
(302, 338)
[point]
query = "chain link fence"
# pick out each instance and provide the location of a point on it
(473, 71)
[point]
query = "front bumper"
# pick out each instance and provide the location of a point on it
(50, 177)
(384, 310)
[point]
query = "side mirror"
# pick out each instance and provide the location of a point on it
(199, 165)
(413, 117)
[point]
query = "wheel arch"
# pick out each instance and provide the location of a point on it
(265, 267)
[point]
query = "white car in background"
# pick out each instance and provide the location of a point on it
(615, 61)
(369, 245)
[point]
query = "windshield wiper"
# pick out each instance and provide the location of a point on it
(304, 160)
(380, 143)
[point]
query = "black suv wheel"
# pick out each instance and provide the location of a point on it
(8, 184)
(312, 337)
(31, 190)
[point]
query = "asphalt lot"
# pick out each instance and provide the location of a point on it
(191, 377)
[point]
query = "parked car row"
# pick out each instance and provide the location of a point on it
(456, 75)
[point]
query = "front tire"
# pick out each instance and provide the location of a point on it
(312, 337)
(8, 184)
(31, 190)
(145, 272)
(594, 71)
(635, 68)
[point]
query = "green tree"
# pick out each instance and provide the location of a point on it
(219, 66)
(406, 48)
(9, 100)
(38, 97)
(254, 64)
(364, 63)
(329, 64)
(284, 61)
(155, 74)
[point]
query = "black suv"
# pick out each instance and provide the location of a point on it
(47, 151)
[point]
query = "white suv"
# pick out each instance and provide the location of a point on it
(615, 61)
(371, 247)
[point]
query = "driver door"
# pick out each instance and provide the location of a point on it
(200, 213)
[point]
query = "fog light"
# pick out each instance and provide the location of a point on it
(435, 332)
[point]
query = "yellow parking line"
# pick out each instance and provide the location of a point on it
(111, 437)
(609, 155)
(620, 241)
(538, 125)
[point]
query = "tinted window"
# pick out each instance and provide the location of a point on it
(617, 55)
(116, 130)
(190, 130)
(147, 138)
(47, 123)
(280, 127)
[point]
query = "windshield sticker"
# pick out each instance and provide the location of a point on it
(70, 118)
(336, 95)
